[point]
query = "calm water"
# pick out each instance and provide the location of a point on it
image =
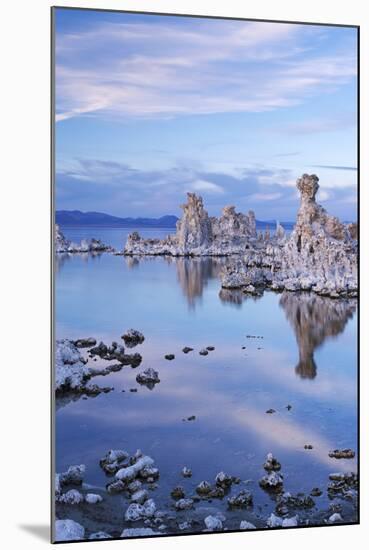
(306, 358)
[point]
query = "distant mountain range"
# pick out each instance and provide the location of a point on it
(77, 218)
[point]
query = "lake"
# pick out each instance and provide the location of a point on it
(305, 356)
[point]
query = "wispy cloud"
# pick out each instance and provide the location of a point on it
(116, 188)
(127, 70)
(333, 167)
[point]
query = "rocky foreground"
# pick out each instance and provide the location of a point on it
(320, 255)
(135, 478)
(129, 505)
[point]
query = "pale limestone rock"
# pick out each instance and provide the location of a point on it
(194, 228)
(67, 529)
(320, 254)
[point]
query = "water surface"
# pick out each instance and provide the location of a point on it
(305, 357)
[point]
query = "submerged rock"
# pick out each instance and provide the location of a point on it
(186, 349)
(177, 492)
(290, 522)
(272, 481)
(342, 484)
(241, 500)
(184, 504)
(344, 453)
(276, 521)
(71, 497)
(116, 487)
(85, 342)
(140, 496)
(335, 518)
(271, 463)
(213, 523)
(203, 352)
(133, 337)
(92, 498)
(170, 356)
(203, 488)
(67, 529)
(223, 480)
(287, 502)
(136, 512)
(73, 476)
(148, 377)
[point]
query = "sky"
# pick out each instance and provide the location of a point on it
(151, 107)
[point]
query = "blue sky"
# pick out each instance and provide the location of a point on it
(150, 107)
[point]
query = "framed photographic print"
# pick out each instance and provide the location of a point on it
(205, 274)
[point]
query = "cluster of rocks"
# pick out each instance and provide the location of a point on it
(199, 234)
(129, 472)
(72, 372)
(115, 352)
(344, 485)
(73, 476)
(63, 245)
(134, 475)
(320, 255)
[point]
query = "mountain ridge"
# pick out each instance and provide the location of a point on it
(78, 218)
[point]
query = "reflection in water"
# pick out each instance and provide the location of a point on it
(236, 297)
(314, 318)
(194, 273)
(64, 257)
(131, 262)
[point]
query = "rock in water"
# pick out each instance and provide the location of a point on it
(344, 453)
(194, 228)
(184, 504)
(73, 476)
(319, 255)
(272, 481)
(241, 500)
(71, 497)
(133, 337)
(148, 377)
(91, 498)
(271, 463)
(67, 529)
(213, 523)
(335, 518)
(71, 371)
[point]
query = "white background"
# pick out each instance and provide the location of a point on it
(24, 234)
